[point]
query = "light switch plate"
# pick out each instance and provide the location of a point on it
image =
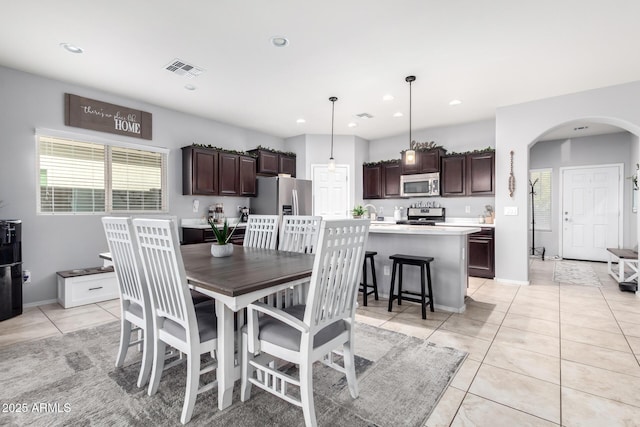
(196, 205)
(510, 210)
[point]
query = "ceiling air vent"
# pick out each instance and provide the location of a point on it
(182, 68)
(364, 116)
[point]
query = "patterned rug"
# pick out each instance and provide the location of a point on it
(575, 273)
(72, 380)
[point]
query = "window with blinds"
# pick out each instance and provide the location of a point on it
(85, 177)
(541, 180)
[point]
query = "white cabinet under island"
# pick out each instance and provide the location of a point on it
(448, 247)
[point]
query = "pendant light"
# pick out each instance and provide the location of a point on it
(410, 154)
(331, 167)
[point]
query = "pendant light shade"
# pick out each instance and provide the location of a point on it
(331, 167)
(410, 154)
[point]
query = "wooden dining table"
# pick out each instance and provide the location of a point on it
(248, 275)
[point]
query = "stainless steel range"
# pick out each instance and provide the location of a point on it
(423, 216)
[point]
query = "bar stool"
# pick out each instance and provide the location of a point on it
(364, 286)
(424, 263)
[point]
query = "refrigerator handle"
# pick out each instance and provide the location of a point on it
(294, 197)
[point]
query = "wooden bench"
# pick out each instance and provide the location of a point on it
(625, 258)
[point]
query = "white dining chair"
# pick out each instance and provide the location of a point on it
(135, 303)
(261, 231)
(299, 233)
(303, 334)
(176, 321)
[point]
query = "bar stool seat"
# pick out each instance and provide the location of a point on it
(364, 286)
(425, 267)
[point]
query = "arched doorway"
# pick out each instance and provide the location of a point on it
(569, 149)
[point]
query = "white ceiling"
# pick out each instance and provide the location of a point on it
(486, 54)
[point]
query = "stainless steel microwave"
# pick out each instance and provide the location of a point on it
(420, 185)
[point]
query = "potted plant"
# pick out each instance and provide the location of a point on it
(222, 247)
(358, 211)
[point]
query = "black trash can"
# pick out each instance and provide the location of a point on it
(10, 268)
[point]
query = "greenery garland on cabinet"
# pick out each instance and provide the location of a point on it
(224, 150)
(271, 150)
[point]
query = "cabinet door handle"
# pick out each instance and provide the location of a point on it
(95, 289)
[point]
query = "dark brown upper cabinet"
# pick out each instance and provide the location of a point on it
(426, 161)
(229, 165)
(271, 164)
(481, 174)
(381, 180)
(287, 164)
(247, 176)
(199, 171)
(391, 180)
(453, 175)
(372, 182)
(468, 174)
(209, 172)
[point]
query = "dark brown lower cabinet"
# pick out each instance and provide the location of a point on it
(202, 235)
(481, 254)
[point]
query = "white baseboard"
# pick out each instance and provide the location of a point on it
(35, 304)
(512, 282)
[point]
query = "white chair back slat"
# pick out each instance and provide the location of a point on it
(336, 273)
(261, 231)
(124, 252)
(164, 270)
(299, 233)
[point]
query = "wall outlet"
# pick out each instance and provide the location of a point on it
(196, 205)
(510, 210)
(386, 270)
(467, 209)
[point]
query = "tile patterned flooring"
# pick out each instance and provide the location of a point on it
(540, 355)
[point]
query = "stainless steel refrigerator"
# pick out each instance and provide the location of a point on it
(283, 196)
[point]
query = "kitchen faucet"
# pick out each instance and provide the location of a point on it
(368, 205)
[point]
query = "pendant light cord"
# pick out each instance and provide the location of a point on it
(333, 100)
(410, 79)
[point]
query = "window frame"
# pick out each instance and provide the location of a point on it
(549, 227)
(108, 181)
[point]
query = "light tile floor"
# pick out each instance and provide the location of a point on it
(545, 354)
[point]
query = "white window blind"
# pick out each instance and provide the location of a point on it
(541, 179)
(87, 177)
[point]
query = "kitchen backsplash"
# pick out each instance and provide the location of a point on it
(455, 206)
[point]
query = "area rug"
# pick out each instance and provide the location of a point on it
(575, 273)
(72, 380)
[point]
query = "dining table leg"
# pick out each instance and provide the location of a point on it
(226, 346)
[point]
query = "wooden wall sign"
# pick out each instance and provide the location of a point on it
(104, 117)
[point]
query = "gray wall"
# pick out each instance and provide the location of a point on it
(63, 242)
(458, 138)
(592, 150)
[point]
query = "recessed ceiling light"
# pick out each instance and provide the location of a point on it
(279, 41)
(398, 114)
(301, 121)
(189, 87)
(72, 48)
(387, 97)
(352, 124)
(455, 102)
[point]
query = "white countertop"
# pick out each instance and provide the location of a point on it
(392, 228)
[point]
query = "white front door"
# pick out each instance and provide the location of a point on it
(591, 209)
(331, 197)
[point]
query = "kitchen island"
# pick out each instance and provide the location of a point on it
(447, 245)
